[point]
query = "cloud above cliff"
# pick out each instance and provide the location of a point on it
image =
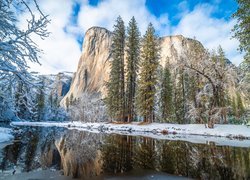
(199, 22)
(211, 31)
(208, 22)
(61, 51)
(106, 12)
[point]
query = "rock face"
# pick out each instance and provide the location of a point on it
(80, 160)
(94, 64)
(62, 85)
(175, 48)
(93, 68)
(58, 84)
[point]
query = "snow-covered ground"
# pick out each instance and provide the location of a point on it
(5, 134)
(229, 131)
(229, 135)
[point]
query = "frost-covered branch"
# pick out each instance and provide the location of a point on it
(18, 48)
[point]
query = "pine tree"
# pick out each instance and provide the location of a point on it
(148, 73)
(240, 106)
(133, 52)
(234, 107)
(179, 95)
(241, 29)
(67, 103)
(219, 59)
(166, 99)
(51, 100)
(56, 102)
(71, 99)
(40, 100)
(115, 99)
(21, 105)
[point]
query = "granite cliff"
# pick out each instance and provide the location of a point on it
(94, 64)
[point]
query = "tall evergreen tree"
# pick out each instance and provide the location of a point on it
(241, 29)
(234, 107)
(71, 99)
(40, 100)
(133, 52)
(179, 97)
(148, 73)
(67, 103)
(21, 105)
(240, 105)
(166, 99)
(116, 86)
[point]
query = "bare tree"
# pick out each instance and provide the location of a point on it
(88, 108)
(217, 76)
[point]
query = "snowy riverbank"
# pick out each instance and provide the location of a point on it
(5, 134)
(229, 131)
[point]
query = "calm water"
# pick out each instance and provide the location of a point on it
(91, 155)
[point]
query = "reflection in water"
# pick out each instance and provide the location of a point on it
(117, 154)
(80, 154)
(85, 154)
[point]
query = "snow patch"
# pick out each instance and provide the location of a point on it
(5, 134)
(230, 131)
(233, 135)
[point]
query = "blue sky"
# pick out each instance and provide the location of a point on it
(209, 21)
(224, 9)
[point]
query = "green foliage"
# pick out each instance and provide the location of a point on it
(148, 74)
(133, 53)
(237, 106)
(22, 104)
(179, 96)
(115, 99)
(234, 107)
(220, 62)
(198, 91)
(241, 29)
(40, 100)
(240, 106)
(235, 120)
(166, 96)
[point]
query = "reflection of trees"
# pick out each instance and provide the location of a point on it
(204, 161)
(80, 154)
(117, 154)
(174, 157)
(11, 153)
(30, 150)
(144, 156)
(84, 154)
(166, 160)
(15, 153)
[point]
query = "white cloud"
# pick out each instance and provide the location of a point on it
(211, 31)
(61, 50)
(106, 12)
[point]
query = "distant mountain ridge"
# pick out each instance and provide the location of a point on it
(58, 84)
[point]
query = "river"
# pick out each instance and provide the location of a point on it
(60, 153)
